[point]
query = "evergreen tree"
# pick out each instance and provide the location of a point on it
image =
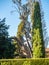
(37, 32)
(3, 38)
(6, 47)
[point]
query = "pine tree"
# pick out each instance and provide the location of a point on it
(6, 48)
(3, 38)
(37, 32)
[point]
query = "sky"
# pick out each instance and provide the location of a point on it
(12, 19)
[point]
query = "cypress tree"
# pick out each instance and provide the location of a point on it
(37, 32)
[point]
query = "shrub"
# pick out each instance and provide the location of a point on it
(37, 61)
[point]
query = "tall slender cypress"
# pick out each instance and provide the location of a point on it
(37, 33)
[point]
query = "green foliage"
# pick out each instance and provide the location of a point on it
(20, 32)
(10, 50)
(17, 49)
(6, 48)
(37, 33)
(26, 63)
(20, 29)
(36, 61)
(3, 38)
(37, 44)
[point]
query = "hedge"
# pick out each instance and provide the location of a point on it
(38, 61)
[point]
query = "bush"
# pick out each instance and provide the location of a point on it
(38, 61)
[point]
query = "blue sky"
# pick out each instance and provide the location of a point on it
(6, 6)
(12, 19)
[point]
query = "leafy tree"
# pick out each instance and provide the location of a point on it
(6, 47)
(3, 38)
(37, 32)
